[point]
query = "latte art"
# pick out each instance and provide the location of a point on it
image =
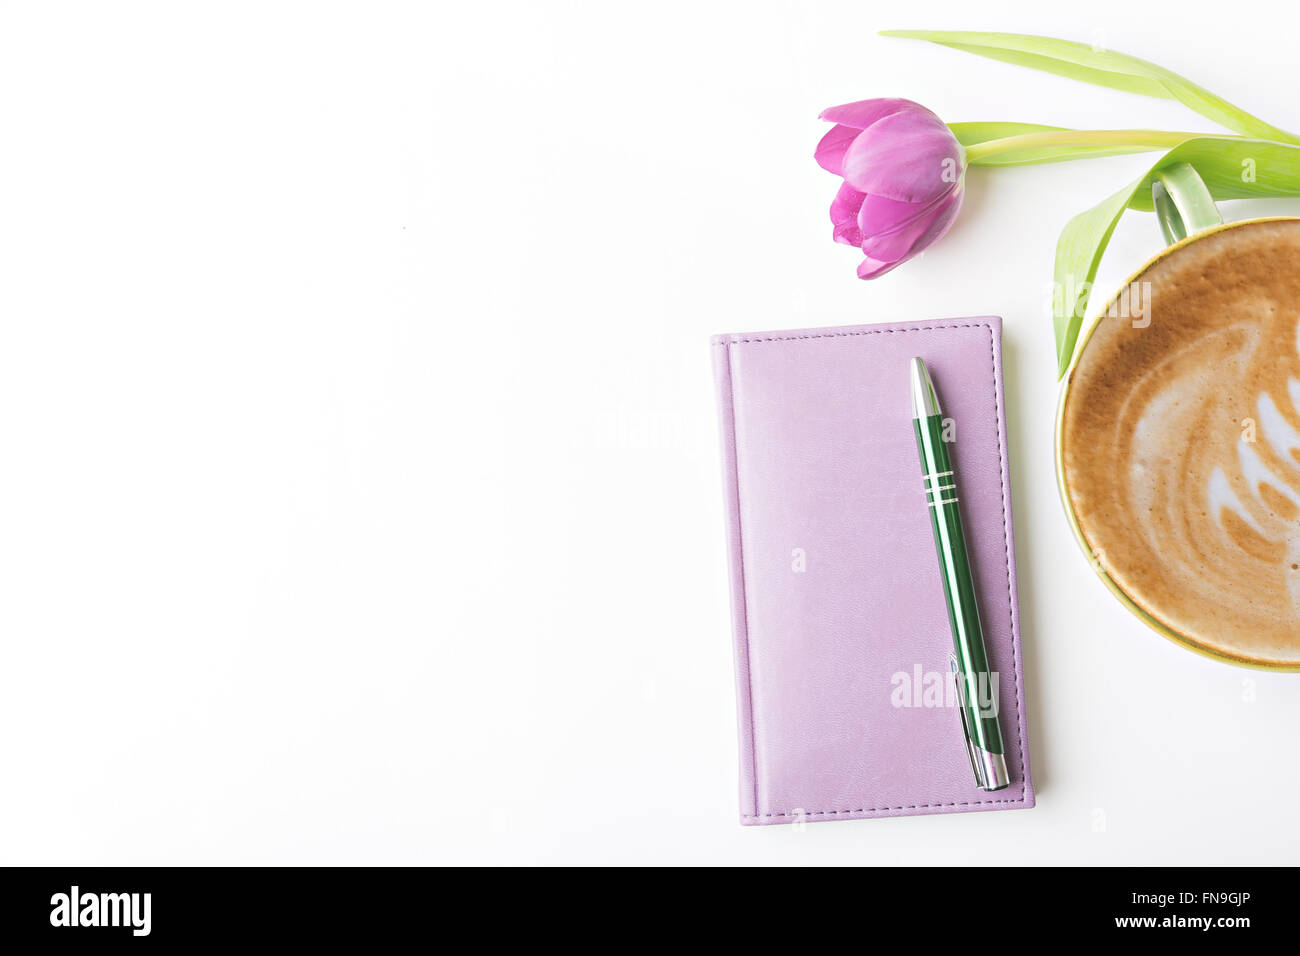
(1181, 443)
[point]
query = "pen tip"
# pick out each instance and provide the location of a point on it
(924, 401)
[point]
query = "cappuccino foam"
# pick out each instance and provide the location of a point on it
(1181, 443)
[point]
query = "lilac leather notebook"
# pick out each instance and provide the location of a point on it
(840, 628)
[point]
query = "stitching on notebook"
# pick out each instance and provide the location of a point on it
(908, 806)
(744, 590)
(1006, 541)
(841, 335)
(1006, 537)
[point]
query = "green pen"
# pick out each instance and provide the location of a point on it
(969, 661)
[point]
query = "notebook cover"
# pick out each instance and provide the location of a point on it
(837, 604)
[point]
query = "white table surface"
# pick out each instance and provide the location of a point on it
(361, 497)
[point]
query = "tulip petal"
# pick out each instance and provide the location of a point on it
(878, 216)
(830, 151)
(895, 245)
(863, 113)
(917, 237)
(890, 228)
(939, 226)
(910, 157)
(871, 268)
(847, 233)
(844, 215)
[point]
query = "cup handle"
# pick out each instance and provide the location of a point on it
(1183, 203)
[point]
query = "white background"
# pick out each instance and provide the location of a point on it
(360, 497)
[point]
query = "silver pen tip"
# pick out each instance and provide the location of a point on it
(924, 402)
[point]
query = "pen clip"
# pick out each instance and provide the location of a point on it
(980, 780)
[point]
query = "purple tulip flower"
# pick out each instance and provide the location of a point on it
(903, 172)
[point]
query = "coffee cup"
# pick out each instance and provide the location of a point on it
(1178, 433)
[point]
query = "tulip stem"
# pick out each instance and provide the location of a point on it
(1138, 139)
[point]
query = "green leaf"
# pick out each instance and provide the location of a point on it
(1232, 168)
(1078, 254)
(1118, 71)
